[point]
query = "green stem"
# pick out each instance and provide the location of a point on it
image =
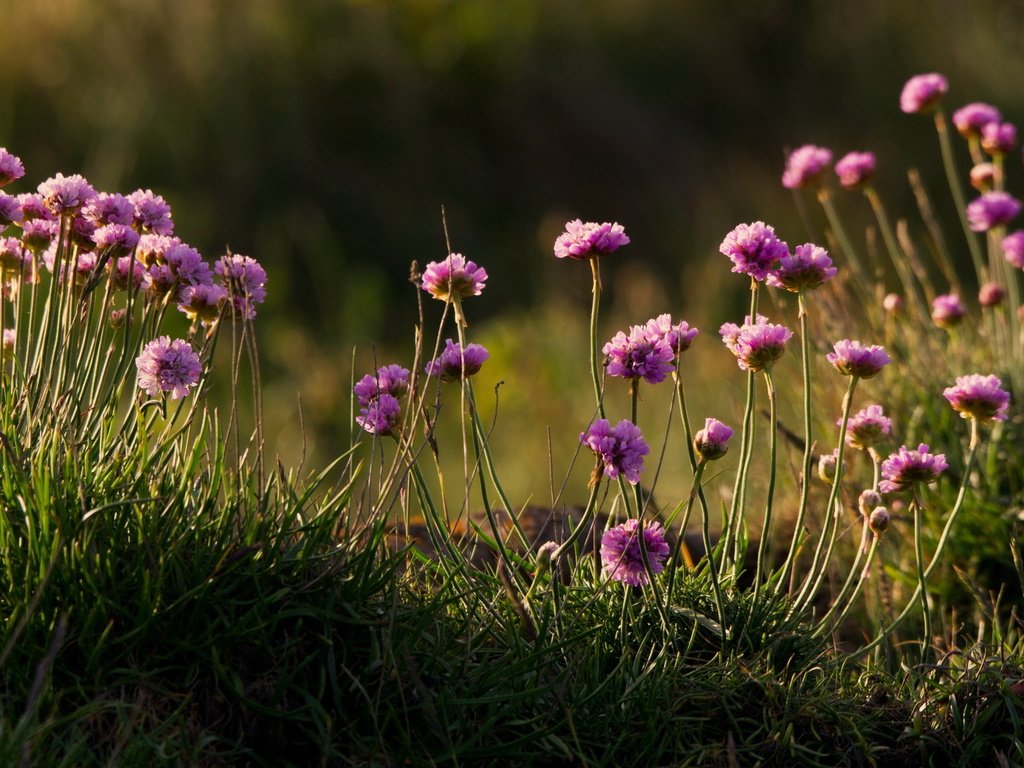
(953, 179)
(922, 587)
(896, 256)
(825, 198)
(595, 360)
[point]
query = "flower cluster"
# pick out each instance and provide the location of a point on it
(585, 240)
(805, 166)
(867, 428)
(167, 365)
(922, 93)
(905, 468)
(378, 397)
(992, 209)
(851, 358)
(620, 450)
(456, 363)
(622, 557)
(948, 310)
(809, 266)
(454, 278)
(757, 344)
(639, 355)
(979, 397)
(754, 249)
(855, 169)
(244, 280)
(712, 442)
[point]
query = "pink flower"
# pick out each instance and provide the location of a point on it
(151, 212)
(390, 380)
(805, 165)
(245, 282)
(947, 310)
(639, 356)
(11, 168)
(992, 209)
(855, 169)
(168, 366)
(622, 557)
(453, 278)
(998, 138)
(906, 467)
(619, 449)
(202, 302)
(754, 249)
(712, 442)
(991, 295)
(582, 241)
(807, 267)
(109, 209)
(756, 345)
(456, 363)
(1013, 248)
(679, 337)
(867, 428)
(851, 358)
(979, 397)
(970, 119)
(922, 93)
(66, 194)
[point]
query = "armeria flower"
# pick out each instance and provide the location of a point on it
(151, 214)
(188, 265)
(81, 233)
(754, 249)
(992, 209)
(868, 500)
(712, 442)
(390, 380)
(584, 240)
(971, 118)
(119, 238)
(12, 256)
(809, 266)
(878, 520)
(10, 210)
(923, 92)
(159, 280)
(999, 138)
(380, 416)
(34, 207)
(153, 249)
(454, 278)
(245, 281)
(947, 310)
(1013, 248)
(678, 336)
(983, 176)
(827, 464)
(867, 428)
(127, 271)
(37, 234)
(756, 345)
(639, 355)
(855, 169)
(906, 467)
(202, 302)
(11, 168)
(979, 397)
(805, 165)
(168, 366)
(619, 449)
(66, 194)
(109, 209)
(456, 363)
(892, 303)
(851, 358)
(622, 557)
(991, 295)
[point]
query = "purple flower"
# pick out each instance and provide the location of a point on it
(12, 256)
(34, 207)
(979, 397)
(991, 295)
(639, 355)
(66, 194)
(947, 310)
(809, 266)
(109, 209)
(1013, 248)
(188, 265)
(82, 231)
(11, 168)
(390, 380)
(153, 249)
(37, 234)
(999, 138)
(584, 240)
(867, 428)
(10, 210)
(127, 271)
(851, 358)
(202, 302)
(678, 337)
(619, 449)
(380, 416)
(754, 249)
(244, 280)
(454, 278)
(805, 165)
(456, 363)
(168, 366)
(992, 210)
(906, 467)
(151, 212)
(971, 118)
(756, 345)
(119, 238)
(623, 558)
(159, 280)
(855, 169)
(878, 520)
(713, 441)
(923, 92)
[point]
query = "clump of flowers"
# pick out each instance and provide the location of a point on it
(757, 344)
(922, 93)
(170, 366)
(622, 557)
(867, 428)
(971, 118)
(381, 415)
(992, 209)
(244, 280)
(907, 467)
(805, 165)
(620, 450)
(679, 336)
(948, 310)
(754, 249)
(641, 355)
(855, 169)
(851, 358)
(809, 266)
(590, 239)
(390, 380)
(712, 441)
(151, 214)
(454, 278)
(979, 397)
(456, 363)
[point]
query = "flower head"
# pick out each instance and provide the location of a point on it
(126, 272)
(456, 363)
(923, 92)
(998, 138)
(120, 239)
(947, 310)
(202, 302)
(639, 355)
(754, 249)
(109, 209)
(756, 344)
(619, 449)
(827, 464)
(1013, 248)
(906, 467)
(151, 212)
(623, 558)
(867, 428)
(991, 295)
(868, 500)
(453, 278)
(983, 176)
(878, 520)
(10, 210)
(807, 267)
(971, 118)
(168, 366)
(34, 207)
(37, 234)
(992, 209)
(66, 194)
(978, 397)
(678, 336)
(153, 249)
(390, 380)
(380, 416)
(11, 168)
(12, 256)
(855, 169)
(851, 358)
(189, 267)
(805, 165)
(712, 442)
(583, 240)
(244, 280)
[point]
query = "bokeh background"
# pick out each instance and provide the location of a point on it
(324, 137)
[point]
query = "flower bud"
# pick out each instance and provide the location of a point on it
(869, 499)
(878, 521)
(117, 318)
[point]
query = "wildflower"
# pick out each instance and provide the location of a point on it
(151, 213)
(37, 234)
(109, 209)
(152, 249)
(978, 397)
(947, 310)
(66, 194)
(809, 266)
(120, 239)
(992, 209)
(878, 521)
(851, 358)
(454, 278)
(11, 168)
(906, 467)
(168, 366)
(189, 267)
(81, 233)
(998, 138)
(12, 257)
(712, 442)
(10, 211)
(983, 176)
(805, 165)
(639, 355)
(970, 119)
(991, 295)
(159, 280)
(456, 363)
(202, 302)
(892, 303)
(868, 427)
(868, 500)
(117, 318)
(624, 560)
(679, 337)
(244, 280)
(1013, 248)
(127, 271)
(923, 92)
(34, 207)
(827, 464)
(756, 345)
(855, 169)
(585, 240)
(380, 416)
(754, 249)
(390, 380)
(619, 449)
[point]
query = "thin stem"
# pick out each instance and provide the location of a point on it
(825, 198)
(595, 360)
(922, 587)
(953, 179)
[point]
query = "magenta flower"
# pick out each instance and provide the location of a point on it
(923, 92)
(11, 168)
(970, 119)
(584, 240)
(904, 468)
(679, 337)
(947, 310)
(867, 428)
(37, 234)
(109, 209)
(622, 557)
(807, 267)
(454, 363)
(978, 397)
(999, 138)
(991, 295)
(805, 165)
(639, 356)
(381, 415)
(168, 366)
(189, 267)
(754, 249)
(151, 213)
(120, 239)
(152, 249)
(855, 169)
(713, 441)
(390, 380)
(244, 280)
(66, 194)
(454, 278)
(992, 209)
(202, 302)
(126, 271)
(10, 210)
(1013, 248)
(756, 345)
(159, 280)
(12, 256)
(34, 207)
(851, 358)
(619, 449)
(892, 303)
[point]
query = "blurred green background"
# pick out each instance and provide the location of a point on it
(324, 137)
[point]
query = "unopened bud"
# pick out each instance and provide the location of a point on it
(878, 521)
(868, 500)
(117, 318)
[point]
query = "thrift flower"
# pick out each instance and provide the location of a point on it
(979, 397)
(168, 366)
(37, 234)
(202, 302)
(584, 240)
(12, 259)
(851, 358)
(11, 168)
(120, 239)
(453, 278)
(991, 295)
(754, 249)
(712, 442)
(189, 267)
(66, 194)
(922, 93)
(380, 416)
(866, 428)
(947, 310)
(827, 464)
(10, 210)
(805, 165)
(992, 209)
(999, 138)
(855, 169)
(153, 249)
(868, 500)
(622, 557)
(1013, 248)
(639, 355)
(892, 303)
(390, 380)
(34, 207)
(126, 271)
(619, 449)
(109, 209)
(983, 176)
(245, 281)
(970, 119)
(807, 267)
(756, 345)
(878, 521)
(679, 337)
(454, 363)
(906, 467)
(151, 213)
